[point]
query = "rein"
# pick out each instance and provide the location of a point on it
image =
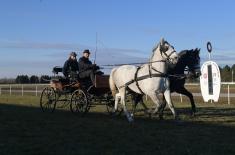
(140, 63)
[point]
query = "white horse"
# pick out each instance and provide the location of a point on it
(149, 79)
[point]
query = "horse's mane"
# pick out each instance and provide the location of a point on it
(182, 53)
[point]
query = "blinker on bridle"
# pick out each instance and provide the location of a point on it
(164, 49)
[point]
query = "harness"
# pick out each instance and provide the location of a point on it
(150, 75)
(150, 67)
(137, 84)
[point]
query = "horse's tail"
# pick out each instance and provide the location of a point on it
(112, 85)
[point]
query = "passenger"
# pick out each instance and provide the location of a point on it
(70, 69)
(86, 68)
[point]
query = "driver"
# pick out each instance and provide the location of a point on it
(86, 68)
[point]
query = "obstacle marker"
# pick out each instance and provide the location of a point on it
(210, 80)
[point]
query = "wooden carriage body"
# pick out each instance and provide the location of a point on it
(101, 84)
(79, 94)
(61, 85)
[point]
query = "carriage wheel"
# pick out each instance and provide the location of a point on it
(48, 100)
(79, 102)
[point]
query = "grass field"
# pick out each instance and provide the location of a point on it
(25, 129)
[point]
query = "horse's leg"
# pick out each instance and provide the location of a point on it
(135, 101)
(162, 107)
(167, 95)
(117, 99)
(156, 101)
(123, 101)
(144, 105)
(138, 98)
(185, 92)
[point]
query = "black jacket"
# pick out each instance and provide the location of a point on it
(84, 64)
(70, 66)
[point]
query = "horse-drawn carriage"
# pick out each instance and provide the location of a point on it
(150, 79)
(76, 93)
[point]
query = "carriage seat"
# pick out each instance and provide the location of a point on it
(64, 80)
(62, 83)
(60, 79)
(57, 69)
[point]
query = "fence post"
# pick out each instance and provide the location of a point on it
(22, 90)
(181, 99)
(228, 95)
(10, 90)
(36, 91)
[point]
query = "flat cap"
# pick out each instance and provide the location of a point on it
(86, 51)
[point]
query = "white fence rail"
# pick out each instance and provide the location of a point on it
(36, 89)
(22, 89)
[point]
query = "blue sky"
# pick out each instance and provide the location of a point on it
(36, 35)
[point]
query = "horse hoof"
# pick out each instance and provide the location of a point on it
(130, 120)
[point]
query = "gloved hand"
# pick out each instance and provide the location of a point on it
(95, 67)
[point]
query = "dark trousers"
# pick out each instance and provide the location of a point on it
(88, 74)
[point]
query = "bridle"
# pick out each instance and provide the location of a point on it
(194, 68)
(168, 56)
(163, 51)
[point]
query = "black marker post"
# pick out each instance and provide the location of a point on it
(209, 70)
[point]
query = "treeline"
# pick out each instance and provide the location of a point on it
(227, 73)
(226, 76)
(25, 79)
